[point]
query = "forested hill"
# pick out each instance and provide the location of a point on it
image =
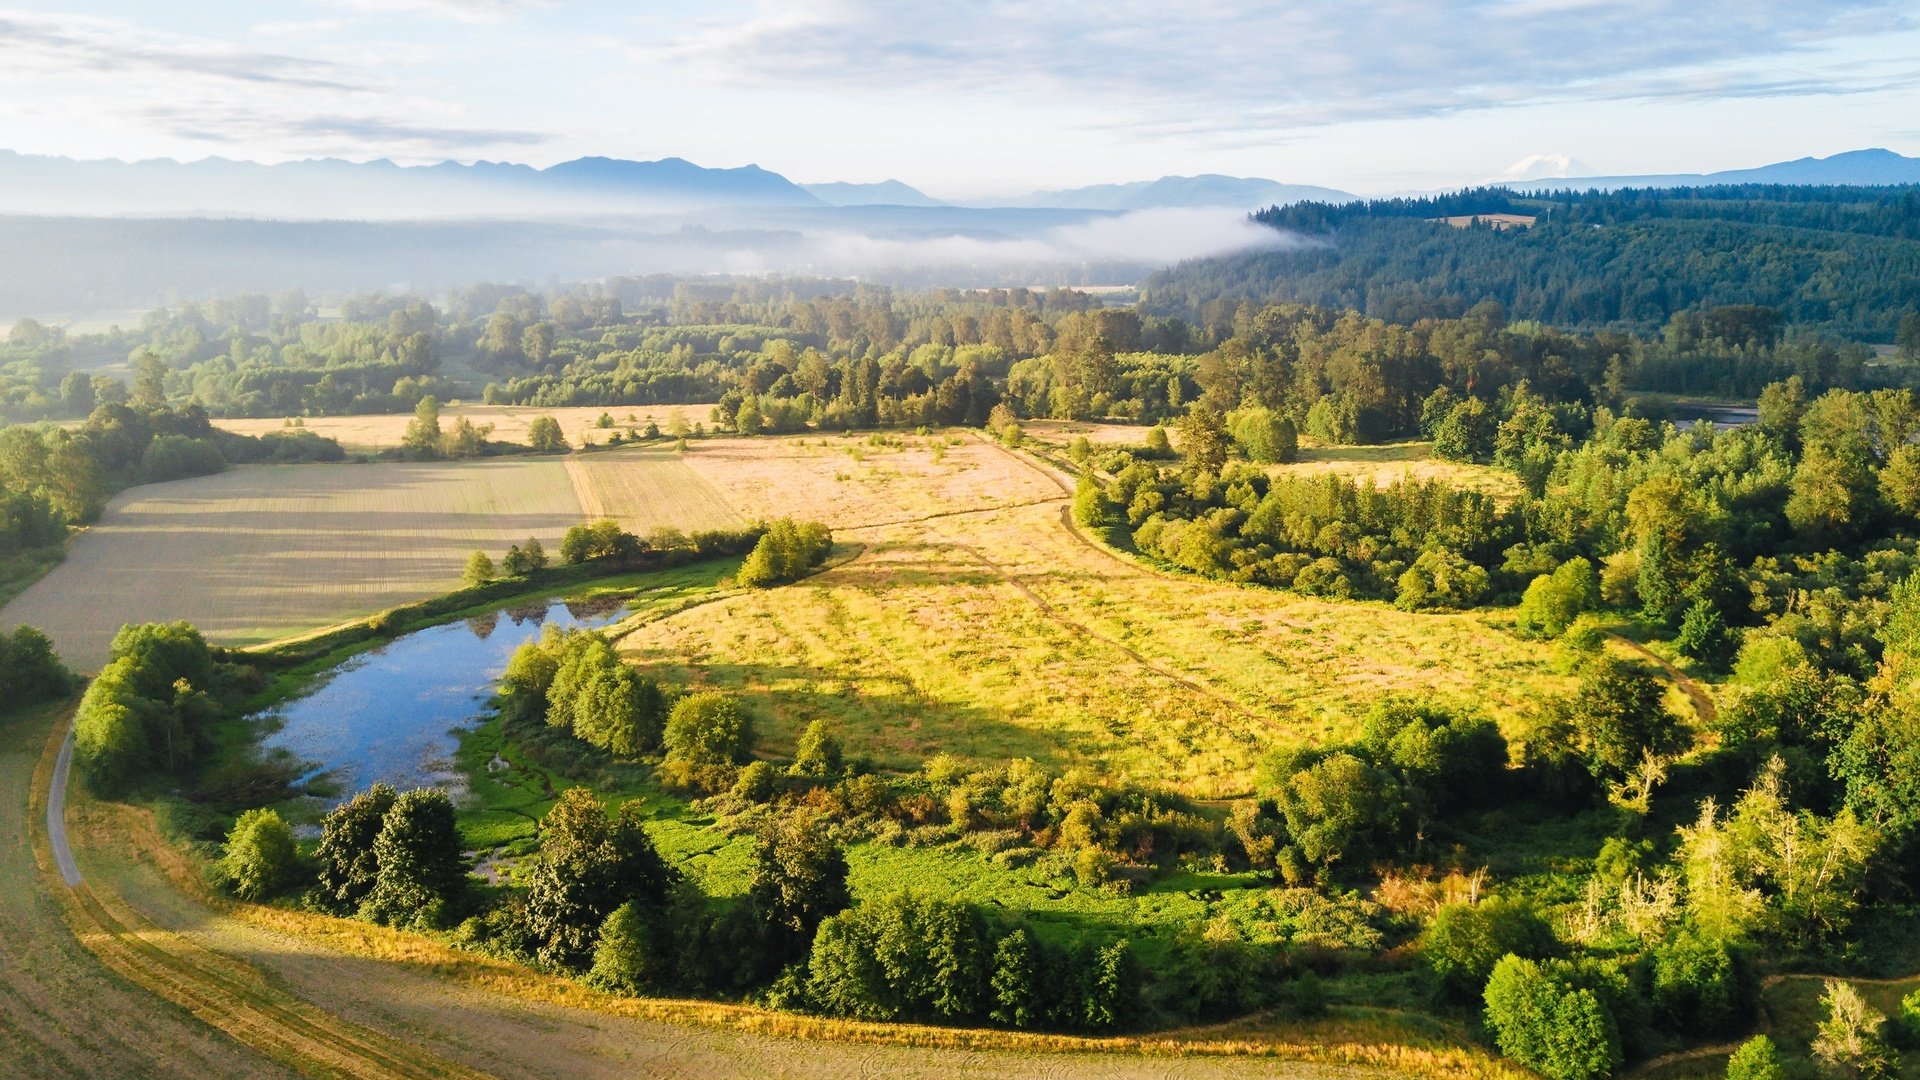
(1843, 259)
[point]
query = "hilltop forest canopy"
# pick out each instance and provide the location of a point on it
(1845, 260)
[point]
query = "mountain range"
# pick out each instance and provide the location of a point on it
(1855, 167)
(332, 189)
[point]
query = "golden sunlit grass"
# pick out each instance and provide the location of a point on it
(384, 431)
(646, 488)
(1000, 632)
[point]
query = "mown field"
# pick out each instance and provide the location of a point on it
(510, 422)
(976, 621)
(258, 553)
(647, 488)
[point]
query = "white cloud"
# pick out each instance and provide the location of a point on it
(1211, 66)
(217, 93)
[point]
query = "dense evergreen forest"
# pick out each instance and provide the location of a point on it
(1845, 260)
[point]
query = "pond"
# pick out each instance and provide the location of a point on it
(391, 715)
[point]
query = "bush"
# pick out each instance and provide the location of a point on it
(30, 672)
(1543, 1018)
(1756, 1059)
(1465, 941)
(1699, 985)
(1091, 507)
(708, 729)
(1703, 635)
(1440, 579)
(260, 859)
(785, 552)
(1553, 601)
(817, 756)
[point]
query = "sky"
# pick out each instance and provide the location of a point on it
(983, 97)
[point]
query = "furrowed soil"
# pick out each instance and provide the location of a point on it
(258, 553)
(978, 621)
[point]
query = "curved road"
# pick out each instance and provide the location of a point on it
(57, 814)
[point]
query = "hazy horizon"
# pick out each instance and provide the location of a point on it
(976, 101)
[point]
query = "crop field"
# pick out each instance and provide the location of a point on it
(383, 431)
(645, 488)
(256, 553)
(993, 630)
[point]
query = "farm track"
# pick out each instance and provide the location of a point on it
(1703, 707)
(224, 993)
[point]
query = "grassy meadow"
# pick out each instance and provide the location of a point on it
(976, 621)
(383, 431)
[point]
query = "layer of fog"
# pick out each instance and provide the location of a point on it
(1145, 238)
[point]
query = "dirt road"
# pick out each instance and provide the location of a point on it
(286, 1005)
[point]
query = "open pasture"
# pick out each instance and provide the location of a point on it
(998, 631)
(647, 488)
(383, 431)
(256, 553)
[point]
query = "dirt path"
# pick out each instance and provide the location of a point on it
(301, 1007)
(62, 1012)
(1703, 708)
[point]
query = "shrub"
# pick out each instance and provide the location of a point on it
(1465, 941)
(1090, 504)
(1699, 985)
(260, 859)
(708, 729)
(1440, 579)
(1850, 1039)
(627, 957)
(1553, 601)
(1756, 1059)
(29, 669)
(1544, 1019)
(817, 756)
(1703, 635)
(785, 552)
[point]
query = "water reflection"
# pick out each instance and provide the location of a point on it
(389, 716)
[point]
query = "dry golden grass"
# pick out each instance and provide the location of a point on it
(1001, 632)
(850, 483)
(258, 553)
(646, 488)
(510, 422)
(1384, 465)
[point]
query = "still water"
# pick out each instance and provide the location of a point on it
(391, 715)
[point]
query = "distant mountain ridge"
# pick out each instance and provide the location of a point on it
(1873, 167)
(1206, 190)
(328, 188)
(884, 193)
